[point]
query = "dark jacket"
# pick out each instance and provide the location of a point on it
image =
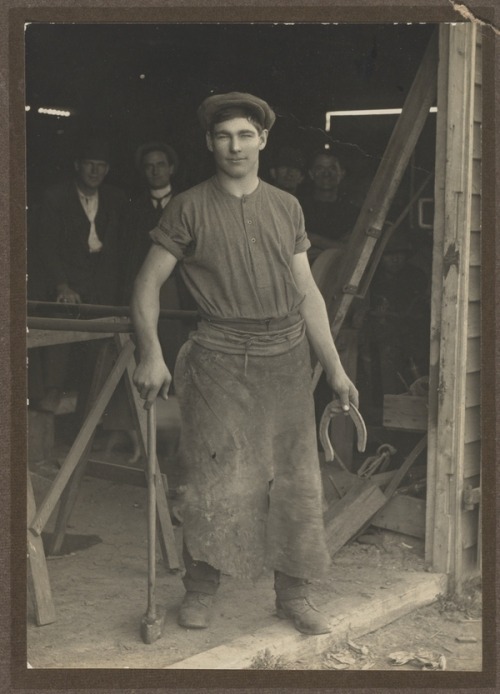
(63, 243)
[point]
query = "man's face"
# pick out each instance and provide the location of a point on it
(157, 169)
(91, 172)
(326, 172)
(393, 262)
(287, 177)
(236, 144)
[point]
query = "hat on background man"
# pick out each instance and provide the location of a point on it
(95, 148)
(218, 102)
(156, 146)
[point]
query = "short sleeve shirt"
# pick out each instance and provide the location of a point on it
(236, 253)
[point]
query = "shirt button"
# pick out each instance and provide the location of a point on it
(249, 221)
(252, 240)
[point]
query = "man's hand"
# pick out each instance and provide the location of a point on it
(152, 377)
(66, 295)
(344, 387)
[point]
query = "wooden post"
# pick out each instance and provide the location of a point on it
(452, 240)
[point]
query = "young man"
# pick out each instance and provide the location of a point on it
(329, 216)
(287, 170)
(248, 443)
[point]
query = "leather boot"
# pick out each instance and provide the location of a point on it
(305, 616)
(195, 610)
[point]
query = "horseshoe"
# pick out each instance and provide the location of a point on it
(333, 408)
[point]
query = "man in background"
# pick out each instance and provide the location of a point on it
(329, 215)
(78, 244)
(287, 171)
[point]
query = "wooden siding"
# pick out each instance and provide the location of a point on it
(471, 532)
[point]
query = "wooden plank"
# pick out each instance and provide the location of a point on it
(344, 518)
(472, 459)
(474, 319)
(470, 527)
(40, 583)
(475, 242)
(473, 389)
(478, 67)
(352, 615)
(436, 287)
(410, 459)
(477, 141)
(477, 175)
(44, 338)
(473, 362)
(478, 103)
(474, 283)
(405, 412)
(472, 424)
(459, 185)
(79, 446)
(402, 514)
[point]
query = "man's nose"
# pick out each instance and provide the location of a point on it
(235, 144)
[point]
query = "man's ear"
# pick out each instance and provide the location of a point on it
(263, 138)
(209, 141)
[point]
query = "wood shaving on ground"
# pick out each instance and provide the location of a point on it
(425, 659)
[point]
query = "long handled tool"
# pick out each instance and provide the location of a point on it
(152, 622)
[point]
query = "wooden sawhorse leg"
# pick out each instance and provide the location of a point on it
(39, 584)
(74, 466)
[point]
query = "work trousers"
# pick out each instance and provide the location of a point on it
(201, 577)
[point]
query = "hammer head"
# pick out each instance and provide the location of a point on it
(152, 628)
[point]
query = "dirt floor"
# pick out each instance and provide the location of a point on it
(100, 589)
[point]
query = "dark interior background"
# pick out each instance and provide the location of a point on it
(137, 82)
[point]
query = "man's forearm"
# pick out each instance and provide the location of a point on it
(314, 312)
(145, 302)
(145, 310)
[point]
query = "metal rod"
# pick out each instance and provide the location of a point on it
(107, 311)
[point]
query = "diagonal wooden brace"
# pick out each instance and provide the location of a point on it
(80, 444)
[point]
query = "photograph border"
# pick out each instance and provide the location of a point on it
(13, 345)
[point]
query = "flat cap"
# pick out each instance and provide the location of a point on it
(94, 148)
(217, 102)
(155, 146)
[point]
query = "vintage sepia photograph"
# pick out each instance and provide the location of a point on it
(254, 346)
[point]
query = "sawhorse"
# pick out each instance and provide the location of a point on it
(66, 484)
